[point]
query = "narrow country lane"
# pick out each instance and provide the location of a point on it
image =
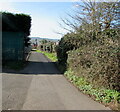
(40, 86)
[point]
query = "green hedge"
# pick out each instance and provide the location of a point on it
(16, 22)
(98, 63)
(97, 59)
(69, 42)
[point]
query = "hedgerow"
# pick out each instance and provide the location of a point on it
(98, 62)
(16, 22)
(70, 41)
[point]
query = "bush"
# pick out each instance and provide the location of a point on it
(70, 41)
(16, 22)
(99, 94)
(98, 62)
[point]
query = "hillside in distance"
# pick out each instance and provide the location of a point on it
(39, 39)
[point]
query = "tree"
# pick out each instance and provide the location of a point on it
(92, 16)
(43, 41)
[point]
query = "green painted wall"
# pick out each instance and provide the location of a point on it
(12, 46)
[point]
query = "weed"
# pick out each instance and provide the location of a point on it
(100, 94)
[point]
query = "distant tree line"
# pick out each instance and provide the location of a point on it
(48, 46)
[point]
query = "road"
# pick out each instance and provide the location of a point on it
(40, 86)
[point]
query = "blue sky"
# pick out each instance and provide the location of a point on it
(45, 16)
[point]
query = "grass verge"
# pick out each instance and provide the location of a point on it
(108, 97)
(51, 56)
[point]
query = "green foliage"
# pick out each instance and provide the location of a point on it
(91, 53)
(69, 42)
(48, 46)
(99, 94)
(96, 59)
(97, 62)
(94, 66)
(51, 56)
(16, 22)
(43, 41)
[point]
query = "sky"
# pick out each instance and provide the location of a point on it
(45, 16)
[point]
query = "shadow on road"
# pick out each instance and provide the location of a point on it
(36, 68)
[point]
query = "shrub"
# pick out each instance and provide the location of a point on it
(99, 94)
(69, 42)
(98, 62)
(16, 22)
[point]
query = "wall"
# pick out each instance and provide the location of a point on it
(13, 46)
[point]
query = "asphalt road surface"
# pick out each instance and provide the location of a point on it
(40, 86)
